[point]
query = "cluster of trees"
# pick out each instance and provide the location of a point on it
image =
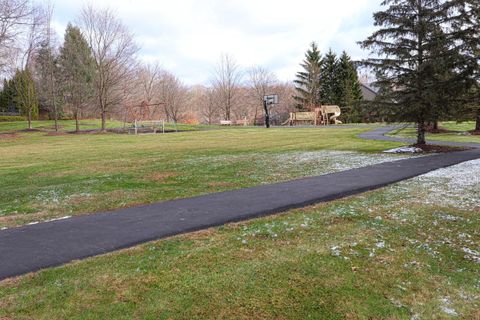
(328, 80)
(95, 72)
(427, 61)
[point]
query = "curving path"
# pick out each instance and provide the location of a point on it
(33, 247)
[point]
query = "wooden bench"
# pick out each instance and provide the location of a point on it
(296, 117)
(225, 122)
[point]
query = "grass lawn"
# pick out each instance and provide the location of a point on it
(450, 125)
(44, 177)
(89, 124)
(408, 251)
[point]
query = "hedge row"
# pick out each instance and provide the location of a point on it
(11, 118)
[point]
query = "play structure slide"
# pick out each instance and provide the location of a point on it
(322, 115)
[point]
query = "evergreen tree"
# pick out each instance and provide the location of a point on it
(45, 71)
(330, 93)
(407, 48)
(26, 95)
(76, 66)
(350, 93)
(7, 96)
(466, 24)
(308, 82)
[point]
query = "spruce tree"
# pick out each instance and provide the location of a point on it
(308, 82)
(330, 79)
(7, 95)
(45, 72)
(406, 45)
(466, 24)
(350, 93)
(76, 66)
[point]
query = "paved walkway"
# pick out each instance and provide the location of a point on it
(33, 247)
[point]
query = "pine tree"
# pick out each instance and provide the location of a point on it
(7, 95)
(308, 82)
(26, 95)
(76, 66)
(330, 80)
(45, 71)
(350, 93)
(407, 47)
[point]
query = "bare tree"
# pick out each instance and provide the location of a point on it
(149, 79)
(114, 51)
(261, 82)
(209, 108)
(15, 20)
(226, 80)
(173, 94)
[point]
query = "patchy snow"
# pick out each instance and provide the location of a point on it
(457, 186)
(404, 150)
(471, 254)
(267, 168)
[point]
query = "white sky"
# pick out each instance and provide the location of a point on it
(187, 37)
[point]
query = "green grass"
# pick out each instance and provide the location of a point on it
(386, 254)
(408, 251)
(458, 126)
(45, 177)
(459, 136)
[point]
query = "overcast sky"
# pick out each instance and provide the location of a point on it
(187, 37)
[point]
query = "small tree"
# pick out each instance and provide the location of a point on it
(308, 82)
(26, 95)
(76, 71)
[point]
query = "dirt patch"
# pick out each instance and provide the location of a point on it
(30, 130)
(58, 133)
(474, 132)
(8, 136)
(432, 148)
(160, 176)
(223, 184)
(92, 131)
(438, 130)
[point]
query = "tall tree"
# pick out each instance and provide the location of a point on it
(114, 51)
(406, 45)
(77, 72)
(226, 80)
(308, 82)
(330, 79)
(173, 95)
(26, 95)
(466, 24)
(350, 93)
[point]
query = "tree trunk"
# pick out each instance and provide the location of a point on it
(421, 132)
(477, 123)
(435, 125)
(55, 115)
(77, 124)
(104, 121)
(29, 119)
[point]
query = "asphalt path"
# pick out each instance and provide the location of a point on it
(33, 247)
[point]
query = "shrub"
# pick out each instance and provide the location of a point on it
(11, 118)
